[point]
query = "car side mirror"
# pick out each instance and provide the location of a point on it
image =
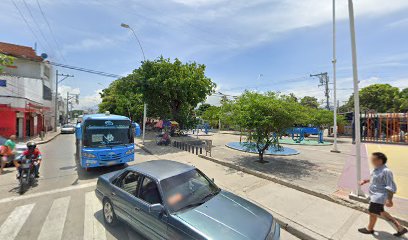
(156, 208)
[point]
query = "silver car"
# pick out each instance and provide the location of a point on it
(68, 128)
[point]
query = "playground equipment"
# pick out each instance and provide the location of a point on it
(384, 127)
(298, 133)
(203, 127)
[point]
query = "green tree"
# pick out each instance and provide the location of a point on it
(212, 115)
(122, 98)
(378, 97)
(404, 100)
(173, 89)
(5, 60)
(310, 102)
(202, 108)
(265, 116)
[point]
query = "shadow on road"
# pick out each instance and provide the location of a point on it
(122, 231)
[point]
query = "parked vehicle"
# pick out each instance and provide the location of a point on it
(104, 140)
(68, 128)
(169, 200)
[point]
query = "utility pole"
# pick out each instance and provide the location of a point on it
(65, 76)
(324, 81)
(334, 82)
(358, 192)
(69, 97)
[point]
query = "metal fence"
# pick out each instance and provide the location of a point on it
(385, 128)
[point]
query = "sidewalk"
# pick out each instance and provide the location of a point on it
(304, 215)
(49, 136)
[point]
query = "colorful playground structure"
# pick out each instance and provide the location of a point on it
(384, 127)
(298, 133)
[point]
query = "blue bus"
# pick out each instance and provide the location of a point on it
(104, 140)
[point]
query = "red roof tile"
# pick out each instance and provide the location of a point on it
(19, 51)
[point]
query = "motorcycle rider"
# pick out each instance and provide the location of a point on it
(33, 153)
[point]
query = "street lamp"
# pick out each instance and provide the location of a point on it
(358, 192)
(144, 59)
(334, 81)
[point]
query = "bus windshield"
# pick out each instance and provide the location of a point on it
(100, 133)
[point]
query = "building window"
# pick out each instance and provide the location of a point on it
(47, 95)
(3, 83)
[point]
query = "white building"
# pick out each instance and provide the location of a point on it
(26, 93)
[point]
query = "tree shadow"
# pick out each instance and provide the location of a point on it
(278, 166)
(121, 231)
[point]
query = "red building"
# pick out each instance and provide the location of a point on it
(26, 102)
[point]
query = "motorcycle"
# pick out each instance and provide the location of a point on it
(27, 176)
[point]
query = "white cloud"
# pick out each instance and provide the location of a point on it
(400, 23)
(90, 101)
(64, 89)
(85, 102)
(241, 23)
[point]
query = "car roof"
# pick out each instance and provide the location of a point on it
(161, 169)
(104, 117)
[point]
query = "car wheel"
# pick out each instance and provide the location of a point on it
(109, 215)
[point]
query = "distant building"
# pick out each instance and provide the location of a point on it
(26, 98)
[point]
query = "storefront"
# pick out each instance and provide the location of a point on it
(25, 123)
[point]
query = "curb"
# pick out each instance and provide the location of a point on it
(294, 186)
(48, 140)
(144, 148)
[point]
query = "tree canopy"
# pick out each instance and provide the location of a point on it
(268, 116)
(5, 60)
(264, 115)
(380, 98)
(310, 102)
(122, 98)
(171, 89)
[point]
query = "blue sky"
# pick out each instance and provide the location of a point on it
(284, 40)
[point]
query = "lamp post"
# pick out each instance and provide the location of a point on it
(144, 59)
(358, 192)
(334, 81)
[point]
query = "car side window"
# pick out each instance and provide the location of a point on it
(149, 191)
(129, 182)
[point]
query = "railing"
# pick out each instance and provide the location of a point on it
(194, 149)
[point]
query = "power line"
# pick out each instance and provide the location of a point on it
(26, 22)
(37, 25)
(105, 74)
(51, 31)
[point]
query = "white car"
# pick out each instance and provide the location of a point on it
(68, 128)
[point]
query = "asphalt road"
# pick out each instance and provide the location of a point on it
(63, 204)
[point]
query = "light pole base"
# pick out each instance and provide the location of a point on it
(361, 197)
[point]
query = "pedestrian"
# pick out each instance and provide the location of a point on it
(7, 152)
(381, 191)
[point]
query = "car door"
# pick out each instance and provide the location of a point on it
(155, 223)
(124, 197)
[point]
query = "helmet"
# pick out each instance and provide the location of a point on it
(31, 145)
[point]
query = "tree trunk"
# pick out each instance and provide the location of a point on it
(261, 158)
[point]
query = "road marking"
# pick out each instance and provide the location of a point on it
(15, 221)
(93, 220)
(85, 185)
(54, 223)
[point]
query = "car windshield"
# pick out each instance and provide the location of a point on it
(67, 126)
(99, 133)
(187, 190)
